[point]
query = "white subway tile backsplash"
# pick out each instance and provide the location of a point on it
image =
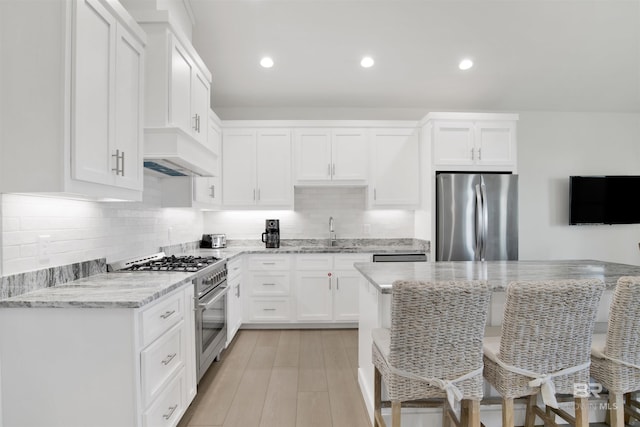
(83, 230)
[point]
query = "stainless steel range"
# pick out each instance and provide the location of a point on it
(210, 282)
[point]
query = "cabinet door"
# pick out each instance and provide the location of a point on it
(453, 143)
(349, 154)
(234, 308)
(207, 190)
(313, 155)
(181, 81)
(239, 168)
(396, 176)
(214, 142)
(93, 93)
(345, 296)
(129, 113)
(200, 106)
(273, 159)
(495, 143)
(313, 295)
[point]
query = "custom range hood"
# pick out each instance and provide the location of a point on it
(172, 152)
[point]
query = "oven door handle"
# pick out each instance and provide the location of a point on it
(214, 299)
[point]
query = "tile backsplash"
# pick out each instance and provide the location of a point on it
(41, 232)
(310, 218)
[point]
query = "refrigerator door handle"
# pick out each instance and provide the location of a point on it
(485, 222)
(479, 223)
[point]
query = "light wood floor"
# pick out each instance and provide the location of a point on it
(282, 378)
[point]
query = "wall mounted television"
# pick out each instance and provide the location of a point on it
(613, 199)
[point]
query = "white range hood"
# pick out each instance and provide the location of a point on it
(171, 151)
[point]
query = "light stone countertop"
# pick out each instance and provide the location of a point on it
(136, 289)
(497, 273)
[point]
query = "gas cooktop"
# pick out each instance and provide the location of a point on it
(160, 262)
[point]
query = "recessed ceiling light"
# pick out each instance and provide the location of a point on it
(465, 64)
(266, 62)
(367, 62)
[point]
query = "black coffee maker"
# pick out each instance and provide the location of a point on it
(271, 235)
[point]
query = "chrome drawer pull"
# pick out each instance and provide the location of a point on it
(269, 263)
(167, 314)
(172, 409)
(169, 358)
(268, 284)
(269, 309)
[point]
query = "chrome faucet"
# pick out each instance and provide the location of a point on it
(332, 233)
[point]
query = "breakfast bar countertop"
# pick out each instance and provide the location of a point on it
(497, 273)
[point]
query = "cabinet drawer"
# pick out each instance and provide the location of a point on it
(314, 262)
(166, 410)
(234, 268)
(345, 262)
(270, 284)
(160, 317)
(270, 310)
(261, 263)
(160, 360)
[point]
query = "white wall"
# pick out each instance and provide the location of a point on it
(82, 230)
(310, 219)
(553, 146)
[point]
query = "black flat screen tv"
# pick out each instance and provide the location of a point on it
(604, 199)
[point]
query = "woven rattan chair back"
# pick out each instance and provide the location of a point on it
(548, 326)
(436, 332)
(623, 331)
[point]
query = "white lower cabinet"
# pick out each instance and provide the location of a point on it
(268, 288)
(234, 298)
(99, 366)
(327, 287)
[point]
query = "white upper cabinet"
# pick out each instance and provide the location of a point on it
(256, 168)
(177, 100)
(395, 178)
(83, 133)
(467, 141)
(324, 156)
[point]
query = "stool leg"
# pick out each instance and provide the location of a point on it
(395, 413)
(581, 405)
(530, 417)
(377, 397)
(507, 412)
(446, 417)
(470, 415)
(616, 410)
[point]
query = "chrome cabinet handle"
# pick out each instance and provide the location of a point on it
(119, 157)
(479, 153)
(258, 194)
(337, 283)
(213, 191)
(268, 284)
(172, 409)
(169, 358)
(333, 170)
(329, 283)
(268, 309)
(254, 194)
(375, 194)
(473, 154)
(167, 314)
(195, 123)
(238, 291)
(269, 263)
(329, 169)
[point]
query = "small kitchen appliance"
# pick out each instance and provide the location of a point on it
(213, 241)
(271, 235)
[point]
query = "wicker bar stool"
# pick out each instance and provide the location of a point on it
(544, 347)
(615, 357)
(433, 349)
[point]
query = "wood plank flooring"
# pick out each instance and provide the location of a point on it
(282, 378)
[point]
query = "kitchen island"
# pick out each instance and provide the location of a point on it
(375, 307)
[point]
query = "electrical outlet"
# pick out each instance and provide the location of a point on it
(44, 242)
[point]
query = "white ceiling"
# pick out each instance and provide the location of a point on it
(545, 55)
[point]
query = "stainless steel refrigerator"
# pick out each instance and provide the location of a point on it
(476, 217)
